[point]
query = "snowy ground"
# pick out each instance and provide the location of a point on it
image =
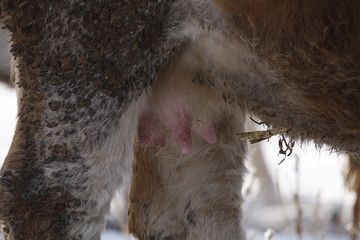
(324, 202)
(323, 208)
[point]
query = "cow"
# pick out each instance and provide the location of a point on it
(168, 83)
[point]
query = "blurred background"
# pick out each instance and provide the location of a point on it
(303, 198)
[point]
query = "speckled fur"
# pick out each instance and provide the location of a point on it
(77, 81)
(83, 65)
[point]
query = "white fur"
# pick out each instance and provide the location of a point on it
(111, 165)
(200, 194)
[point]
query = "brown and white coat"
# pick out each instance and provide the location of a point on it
(180, 75)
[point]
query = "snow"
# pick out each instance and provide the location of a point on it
(8, 111)
(323, 200)
(115, 235)
(317, 177)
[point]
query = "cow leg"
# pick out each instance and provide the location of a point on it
(57, 183)
(193, 196)
(81, 64)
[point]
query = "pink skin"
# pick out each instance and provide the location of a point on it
(206, 130)
(180, 125)
(174, 107)
(149, 130)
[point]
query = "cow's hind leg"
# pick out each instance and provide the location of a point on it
(57, 183)
(193, 196)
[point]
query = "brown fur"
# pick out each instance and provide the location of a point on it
(286, 23)
(145, 183)
(315, 46)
